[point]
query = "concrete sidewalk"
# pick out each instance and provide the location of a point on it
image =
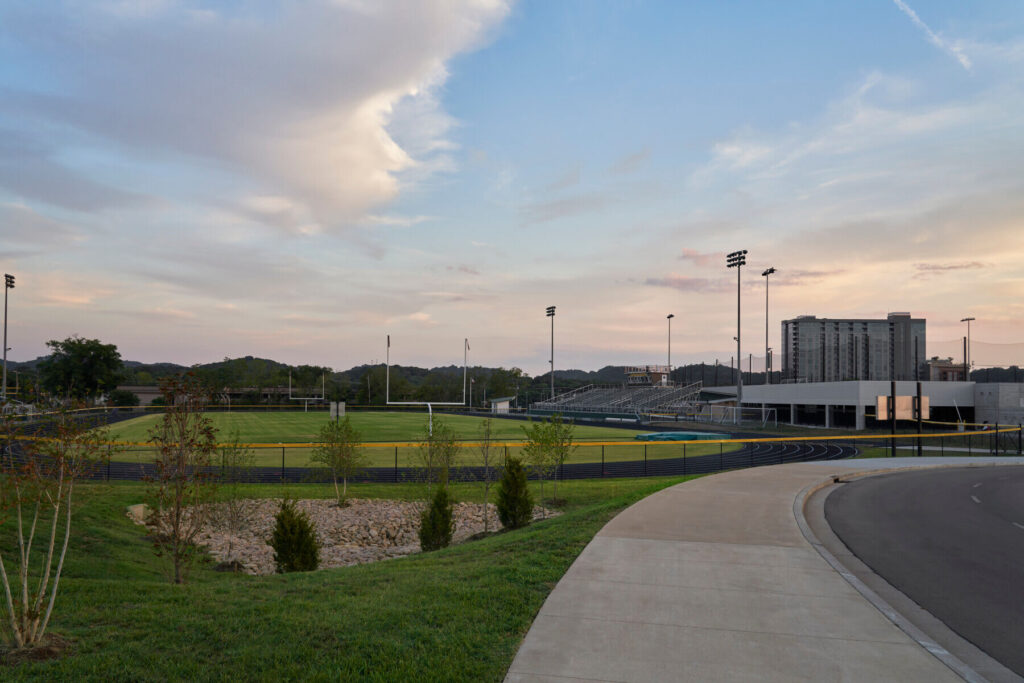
(713, 580)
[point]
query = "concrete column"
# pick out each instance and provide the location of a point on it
(792, 413)
(860, 417)
(828, 417)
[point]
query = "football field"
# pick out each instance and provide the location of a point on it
(389, 437)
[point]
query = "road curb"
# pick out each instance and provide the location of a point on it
(958, 666)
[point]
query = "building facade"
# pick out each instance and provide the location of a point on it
(841, 350)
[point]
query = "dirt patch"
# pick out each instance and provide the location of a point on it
(52, 646)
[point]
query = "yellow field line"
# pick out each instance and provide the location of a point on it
(505, 444)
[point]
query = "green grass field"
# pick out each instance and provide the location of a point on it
(287, 428)
(456, 615)
(300, 427)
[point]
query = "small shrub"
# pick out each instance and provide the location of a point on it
(122, 398)
(515, 504)
(436, 523)
(294, 541)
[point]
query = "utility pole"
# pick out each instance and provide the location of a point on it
(669, 317)
(551, 314)
(8, 284)
(767, 374)
(465, 366)
(967, 354)
(737, 260)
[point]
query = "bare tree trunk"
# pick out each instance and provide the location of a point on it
(60, 565)
(15, 631)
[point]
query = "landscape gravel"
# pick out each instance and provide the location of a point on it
(365, 530)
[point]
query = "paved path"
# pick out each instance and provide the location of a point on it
(713, 580)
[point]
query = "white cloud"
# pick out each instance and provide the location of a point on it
(954, 49)
(327, 107)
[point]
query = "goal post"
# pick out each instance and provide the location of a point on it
(306, 399)
(428, 404)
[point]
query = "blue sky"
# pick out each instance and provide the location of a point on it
(194, 180)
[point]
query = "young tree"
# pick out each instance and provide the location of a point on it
(80, 368)
(234, 513)
(437, 523)
(537, 451)
(437, 453)
(37, 481)
(515, 504)
(561, 444)
(486, 456)
(339, 452)
(296, 548)
(549, 443)
(183, 487)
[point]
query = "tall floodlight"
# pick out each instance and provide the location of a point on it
(967, 377)
(737, 260)
(767, 374)
(551, 314)
(669, 318)
(8, 284)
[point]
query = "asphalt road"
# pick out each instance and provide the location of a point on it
(952, 540)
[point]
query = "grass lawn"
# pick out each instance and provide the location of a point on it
(298, 427)
(455, 614)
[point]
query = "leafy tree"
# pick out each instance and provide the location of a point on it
(505, 382)
(122, 398)
(372, 385)
(37, 480)
(339, 452)
(515, 504)
(294, 540)
(81, 368)
(437, 523)
(183, 487)
(437, 452)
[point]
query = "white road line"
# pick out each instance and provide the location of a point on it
(977, 485)
(1019, 526)
(975, 499)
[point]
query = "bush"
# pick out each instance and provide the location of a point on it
(436, 523)
(294, 541)
(515, 504)
(122, 398)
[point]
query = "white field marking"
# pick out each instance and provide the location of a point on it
(976, 485)
(975, 499)
(1019, 526)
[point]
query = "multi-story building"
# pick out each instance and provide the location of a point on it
(838, 350)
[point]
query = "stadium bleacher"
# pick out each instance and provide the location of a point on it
(647, 389)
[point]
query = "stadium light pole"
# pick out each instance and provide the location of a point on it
(964, 320)
(767, 377)
(8, 284)
(669, 318)
(551, 314)
(737, 260)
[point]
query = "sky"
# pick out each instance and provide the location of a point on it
(296, 180)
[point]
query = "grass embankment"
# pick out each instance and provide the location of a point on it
(389, 427)
(455, 614)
